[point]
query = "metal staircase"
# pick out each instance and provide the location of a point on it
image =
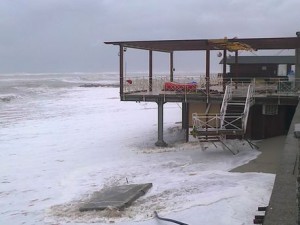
(233, 117)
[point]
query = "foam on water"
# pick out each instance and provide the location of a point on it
(60, 142)
(24, 96)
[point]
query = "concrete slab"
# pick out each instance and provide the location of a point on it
(268, 160)
(297, 130)
(117, 197)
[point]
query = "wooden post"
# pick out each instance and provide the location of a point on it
(150, 70)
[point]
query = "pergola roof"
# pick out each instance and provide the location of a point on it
(211, 44)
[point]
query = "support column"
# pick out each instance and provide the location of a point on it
(121, 53)
(187, 121)
(207, 76)
(224, 69)
(150, 70)
(160, 142)
(236, 61)
(297, 65)
(171, 66)
(183, 116)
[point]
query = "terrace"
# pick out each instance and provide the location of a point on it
(191, 88)
(207, 88)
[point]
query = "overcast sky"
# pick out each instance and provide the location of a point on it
(68, 35)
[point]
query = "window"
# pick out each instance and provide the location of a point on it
(270, 110)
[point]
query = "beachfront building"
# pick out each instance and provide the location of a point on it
(261, 67)
(214, 107)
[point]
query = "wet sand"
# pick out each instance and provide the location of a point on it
(268, 160)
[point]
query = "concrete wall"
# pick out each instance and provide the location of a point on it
(283, 207)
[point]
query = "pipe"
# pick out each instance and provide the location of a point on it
(169, 220)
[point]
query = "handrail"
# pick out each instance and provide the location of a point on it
(225, 121)
(249, 100)
(209, 122)
(226, 98)
(262, 86)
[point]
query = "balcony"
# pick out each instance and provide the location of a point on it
(189, 88)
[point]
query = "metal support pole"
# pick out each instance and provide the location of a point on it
(160, 142)
(224, 68)
(121, 53)
(183, 110)
(171, 66)
(236, 66)
(187, 121)
(236, 61)
(150, 70)
(207, 78)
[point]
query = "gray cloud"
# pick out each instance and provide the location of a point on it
(68, 35)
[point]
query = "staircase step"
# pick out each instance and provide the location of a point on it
(236, 103)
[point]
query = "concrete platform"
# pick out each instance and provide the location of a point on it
(268, 160)
(117, 197)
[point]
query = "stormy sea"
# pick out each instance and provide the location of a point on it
(65, 136)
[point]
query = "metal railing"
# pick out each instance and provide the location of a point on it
(261, 86)
(212, 122)
(226, 98)
(138, 84)
(248, 103)
(225, 121)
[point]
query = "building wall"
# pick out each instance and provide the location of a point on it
(253, 70)
(265, 126)
(259, 126)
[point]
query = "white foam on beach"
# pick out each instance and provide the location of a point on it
(85, 139)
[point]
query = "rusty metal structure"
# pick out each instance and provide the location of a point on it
(152, 88)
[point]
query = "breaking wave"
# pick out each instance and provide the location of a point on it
(23, 85)
(8, 97)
